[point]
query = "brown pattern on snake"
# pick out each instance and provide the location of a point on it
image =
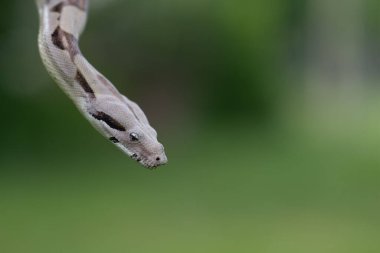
(111, 122)
(84, 84)
(65, 41)
(57, 38)
(58, 8)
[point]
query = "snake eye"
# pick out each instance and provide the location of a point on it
(134, 137)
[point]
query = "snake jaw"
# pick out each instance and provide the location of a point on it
(150, 164)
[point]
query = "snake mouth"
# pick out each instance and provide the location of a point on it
(135, 157)
(147, 163)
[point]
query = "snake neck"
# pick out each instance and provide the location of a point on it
(62, 22)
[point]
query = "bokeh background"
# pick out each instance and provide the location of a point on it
(269, 111)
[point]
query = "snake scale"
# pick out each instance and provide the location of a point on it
(115, 116)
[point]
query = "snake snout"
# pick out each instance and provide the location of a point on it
(155, 161)
(152, 161)
(161, 159)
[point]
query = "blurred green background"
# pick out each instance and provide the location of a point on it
(269, 111)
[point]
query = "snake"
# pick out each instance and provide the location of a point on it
(115, 116)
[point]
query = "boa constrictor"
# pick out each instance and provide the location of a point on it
(112, 114)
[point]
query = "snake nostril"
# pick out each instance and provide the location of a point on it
(158, 159)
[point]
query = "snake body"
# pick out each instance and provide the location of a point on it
(115, 116)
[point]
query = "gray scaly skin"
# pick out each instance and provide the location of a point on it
(112, 114)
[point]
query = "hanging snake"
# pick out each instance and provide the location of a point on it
(116, 117)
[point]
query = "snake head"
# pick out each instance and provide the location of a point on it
(125, 124)
(143, 146)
